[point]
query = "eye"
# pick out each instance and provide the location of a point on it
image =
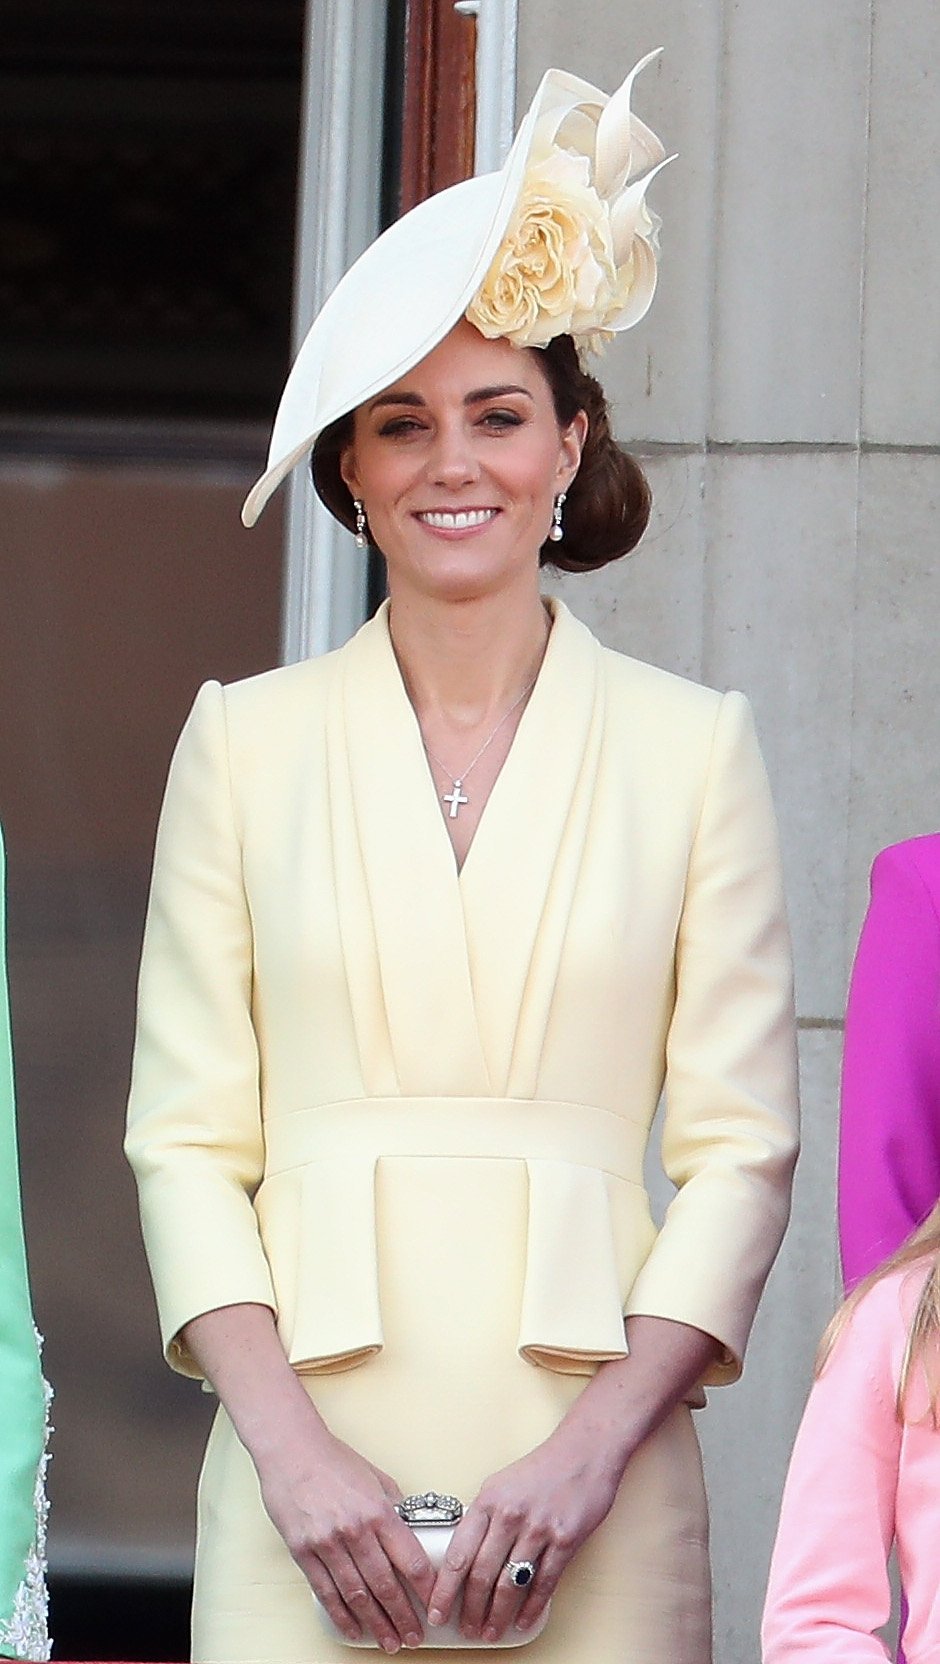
(502, 419)
(400, 427)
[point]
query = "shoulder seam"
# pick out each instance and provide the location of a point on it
(905, 864)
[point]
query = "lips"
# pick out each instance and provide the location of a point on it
(457, 520)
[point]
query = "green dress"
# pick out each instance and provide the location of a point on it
(23, 1393)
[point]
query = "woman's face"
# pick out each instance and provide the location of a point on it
(458, 465)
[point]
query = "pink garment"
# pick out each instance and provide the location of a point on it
(889, 1161)
(859, 1479)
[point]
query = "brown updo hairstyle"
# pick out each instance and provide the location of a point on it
(607, 505)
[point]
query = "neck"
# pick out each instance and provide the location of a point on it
(467, 661)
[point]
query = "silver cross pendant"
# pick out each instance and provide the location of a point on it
(455, 799)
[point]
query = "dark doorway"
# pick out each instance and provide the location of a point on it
(148, 162)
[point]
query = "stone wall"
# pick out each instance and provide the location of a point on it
(784, 391)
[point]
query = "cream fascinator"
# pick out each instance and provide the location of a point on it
(559, 241)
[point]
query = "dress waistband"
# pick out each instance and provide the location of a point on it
(515, 1129)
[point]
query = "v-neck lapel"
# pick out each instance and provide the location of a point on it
(397, 888)
(451, 977)
(519, 878)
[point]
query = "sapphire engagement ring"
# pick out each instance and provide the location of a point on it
(521, 1572)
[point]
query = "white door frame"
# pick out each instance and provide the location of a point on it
(324, 597)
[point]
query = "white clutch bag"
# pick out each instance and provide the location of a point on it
(433, 1519)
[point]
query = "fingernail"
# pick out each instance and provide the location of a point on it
(489, 1634)
(390, 1646)
(435, 1617)
(523, 1623)
(413, 1640)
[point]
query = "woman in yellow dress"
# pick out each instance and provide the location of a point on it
(434, 921)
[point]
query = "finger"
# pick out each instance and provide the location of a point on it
(387, 1589)
(358, 1598)
(324, 1587)
(390, 1486)
(355, 1591)
(543, 1586)
(508, 1599)
(407, 1556)
(461, 1553)
(481, 1579)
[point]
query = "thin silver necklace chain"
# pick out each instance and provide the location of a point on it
(456, 799)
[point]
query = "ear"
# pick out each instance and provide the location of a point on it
(347, 468)
(572, 444)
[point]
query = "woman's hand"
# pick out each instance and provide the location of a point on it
(333, 1508)
(335, 1512)
(541, 1508)
(545, 1506)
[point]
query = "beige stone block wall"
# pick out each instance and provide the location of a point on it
(785, 390)
(895, 783)
(662, 386)
(748, 1430)
(789, 221)
(779, 597)
(653, 605)
(901, 340)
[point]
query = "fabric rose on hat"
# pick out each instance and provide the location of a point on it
(557, 261)
(579, 257)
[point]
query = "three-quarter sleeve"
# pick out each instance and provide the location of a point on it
(889, 1156)
(829, 1590)
(194, 1133)
(731, 1122)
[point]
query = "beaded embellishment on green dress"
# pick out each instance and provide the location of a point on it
(25, 1633)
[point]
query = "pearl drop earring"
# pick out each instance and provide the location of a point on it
(361, 539)
(556, 534)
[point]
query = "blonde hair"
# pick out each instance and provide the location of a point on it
(922, 1245)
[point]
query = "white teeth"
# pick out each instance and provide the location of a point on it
(458, 522)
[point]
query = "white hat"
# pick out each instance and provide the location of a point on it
(558, 241)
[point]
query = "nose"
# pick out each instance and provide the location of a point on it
(453, 461)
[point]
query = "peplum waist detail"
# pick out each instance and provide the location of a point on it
(513, 1129)
(587, 1229)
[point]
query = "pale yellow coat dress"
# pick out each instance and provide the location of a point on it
(408, 1109)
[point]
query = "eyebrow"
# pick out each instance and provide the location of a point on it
(478, 396)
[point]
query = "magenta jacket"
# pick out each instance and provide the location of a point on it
(889, 1159)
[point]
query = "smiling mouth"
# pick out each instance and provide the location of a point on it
(458, 520)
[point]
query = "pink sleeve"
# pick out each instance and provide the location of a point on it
(889, 1160)
(829, 1590)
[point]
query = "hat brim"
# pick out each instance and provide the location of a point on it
(402, 296)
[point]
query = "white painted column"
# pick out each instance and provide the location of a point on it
(338, 215)
(325, 575)
(497, 28)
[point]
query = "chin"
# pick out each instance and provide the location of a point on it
(468, 585)
(476, 574)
